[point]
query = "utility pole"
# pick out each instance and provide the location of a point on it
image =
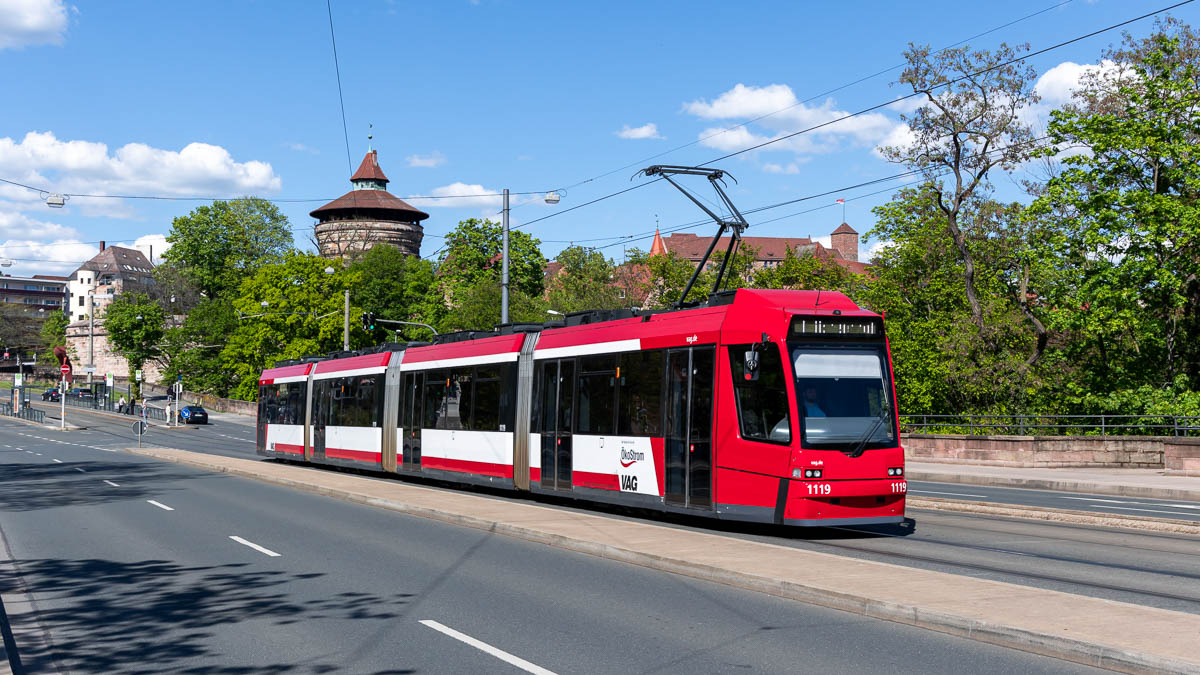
(346, 324)
(504, 266)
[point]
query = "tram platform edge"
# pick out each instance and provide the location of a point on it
(1092, 631)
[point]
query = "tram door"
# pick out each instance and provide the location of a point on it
(689, 427)
(321, 401)
(411, 419)
(557, 389)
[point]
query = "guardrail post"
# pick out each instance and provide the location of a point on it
(1102, 432)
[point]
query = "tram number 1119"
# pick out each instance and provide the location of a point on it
(819, 488)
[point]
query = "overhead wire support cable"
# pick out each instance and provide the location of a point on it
(947, 83)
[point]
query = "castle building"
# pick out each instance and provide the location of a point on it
(368, 215)
(769, 251)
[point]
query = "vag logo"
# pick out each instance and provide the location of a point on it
(629, 483)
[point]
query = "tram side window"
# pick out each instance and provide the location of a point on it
(363, 405)
(485, 402)
(544, 395)
(641, 380)
(282, 403)
(597, 394)
(762, 405)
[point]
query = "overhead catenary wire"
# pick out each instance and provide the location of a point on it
(885, 104)
(814, 97)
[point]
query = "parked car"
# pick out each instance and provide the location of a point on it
(193, 414)
(51, 395)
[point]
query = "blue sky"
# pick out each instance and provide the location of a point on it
(467, 98)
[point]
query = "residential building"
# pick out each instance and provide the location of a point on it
(41, 293)
(113, 271)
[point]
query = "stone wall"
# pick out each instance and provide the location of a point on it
(1182, 455)
(107, 360)
(1124, 452)
(209, 402)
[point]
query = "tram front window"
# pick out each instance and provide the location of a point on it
(843, 398)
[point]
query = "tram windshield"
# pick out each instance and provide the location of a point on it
(843, 397)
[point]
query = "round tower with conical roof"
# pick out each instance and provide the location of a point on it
(368, 215)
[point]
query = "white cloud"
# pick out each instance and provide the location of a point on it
(781, 114)
(429, 161)
(156, 243)
(59, 257)
(875, 249)
(1057, 85)
(19, 225)
(461, 195)
(791, 168)
(25, 23)
(300, 147)
(84, 167)
(647, 130)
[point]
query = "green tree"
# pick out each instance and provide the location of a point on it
(970, 122)
(1129, 211)
(215, 247)
(478, 308)
(53, 333)
(395, 286)
(585, 281)
(807, 272)
(473, 251)
(135, 326)
(195, 348)
(303, 315)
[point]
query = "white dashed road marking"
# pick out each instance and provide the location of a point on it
(80, 470)
(254, 546)
(485, 647)
(955, 494)
(58, 461)
(112, 483)
(160, 505)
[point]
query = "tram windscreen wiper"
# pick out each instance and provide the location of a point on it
(861, 445)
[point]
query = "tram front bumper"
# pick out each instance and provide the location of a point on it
(867, 501)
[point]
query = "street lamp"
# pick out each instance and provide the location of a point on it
(551, 198)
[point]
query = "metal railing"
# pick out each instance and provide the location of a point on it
(1052, 425)
(25, 413)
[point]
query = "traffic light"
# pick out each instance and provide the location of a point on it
(368, 321)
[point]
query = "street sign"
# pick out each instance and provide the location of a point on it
(17, 379)
(138, 375)
(108, 380)
(64, 369)
(89, 369)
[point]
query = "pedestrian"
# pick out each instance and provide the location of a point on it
(121, 405)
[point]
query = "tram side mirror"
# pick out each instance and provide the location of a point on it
(751, 364)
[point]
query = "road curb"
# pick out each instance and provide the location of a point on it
(1070, 516)
(1145, 492)
(1079, 651)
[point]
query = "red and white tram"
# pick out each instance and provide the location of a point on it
(762, 405)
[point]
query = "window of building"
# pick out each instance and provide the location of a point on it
(81, 301)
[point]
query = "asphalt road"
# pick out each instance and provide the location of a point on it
(1147, 568)
(1077, 501)
(141, 566)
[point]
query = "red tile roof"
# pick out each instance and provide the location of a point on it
(369, 169)
(392, 207)
(844, 228)
(692, 246)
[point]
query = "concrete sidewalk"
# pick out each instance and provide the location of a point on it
(1146, 483)
(1087, 630)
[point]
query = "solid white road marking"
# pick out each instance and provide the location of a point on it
(164, 507)
(485, 647)
(1117, 501)
(955, 494)
(112, 483)
(254, 546)
(1129, 508)
(58, 461)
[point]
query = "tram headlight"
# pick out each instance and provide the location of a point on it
(806, 473)
(896, 471)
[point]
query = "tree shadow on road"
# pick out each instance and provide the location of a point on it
(30, 487)
(158, 616)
